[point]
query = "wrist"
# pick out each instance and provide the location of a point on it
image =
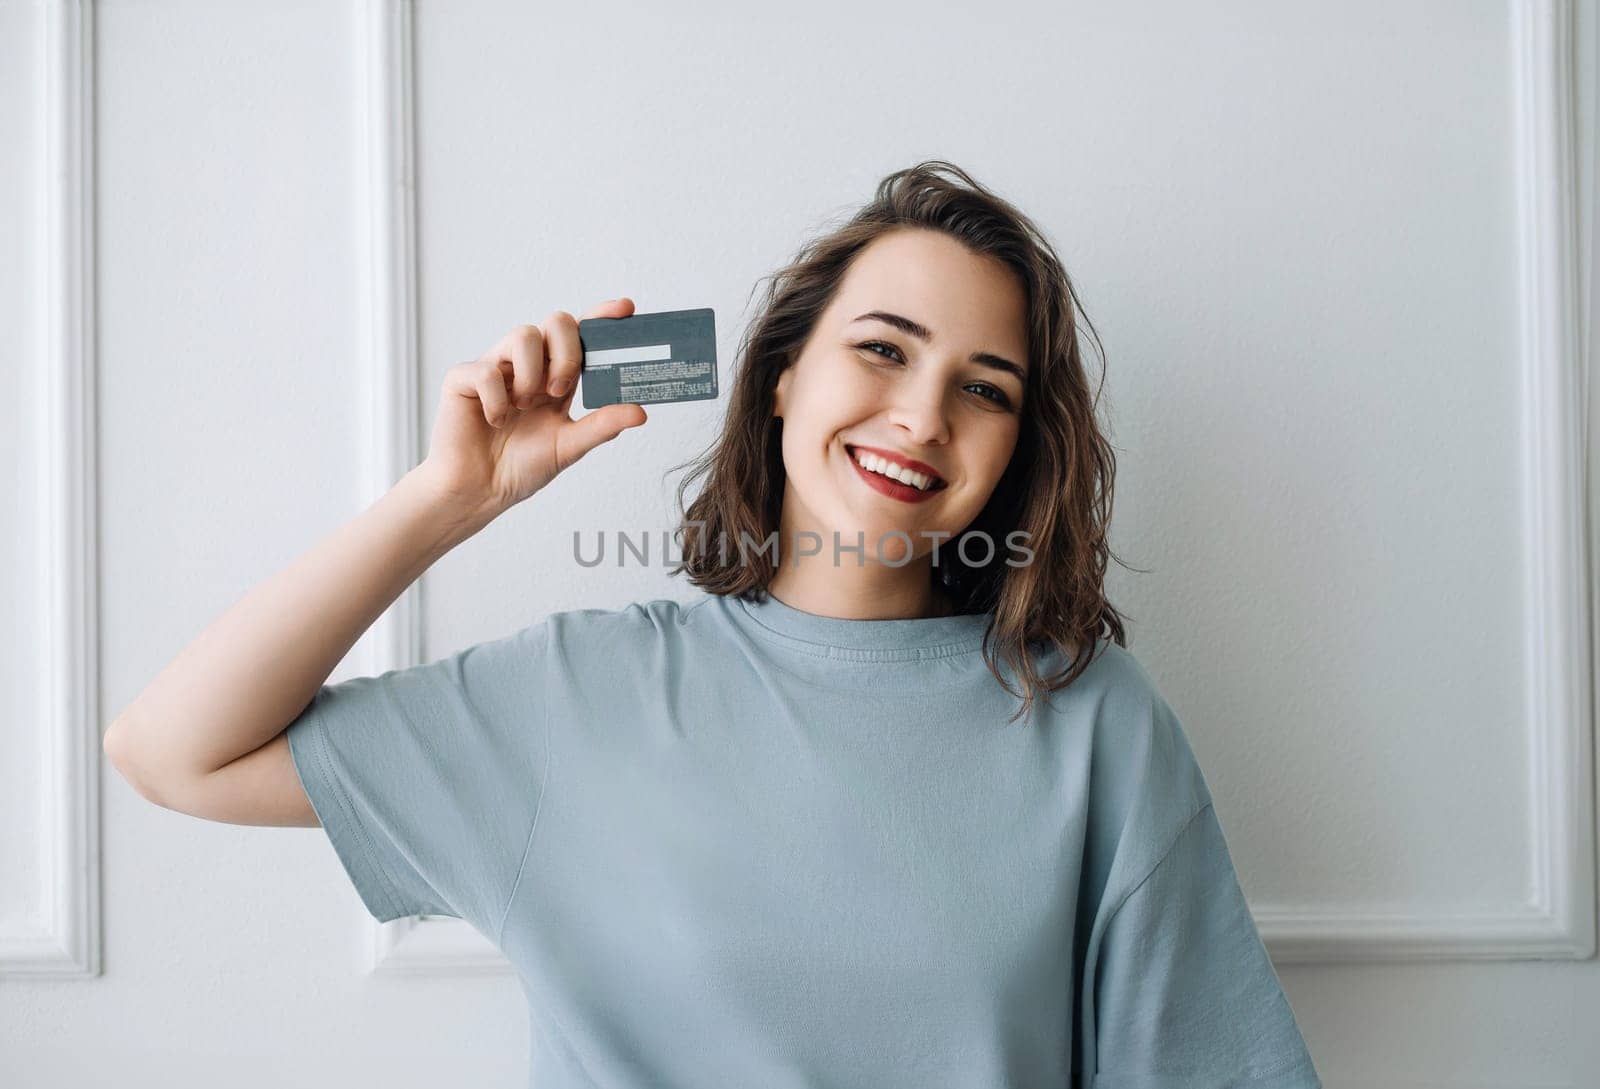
(455, 517)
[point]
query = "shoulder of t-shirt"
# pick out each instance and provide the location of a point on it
(631, 624)
(1144, 767)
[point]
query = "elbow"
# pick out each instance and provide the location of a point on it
(121, 755)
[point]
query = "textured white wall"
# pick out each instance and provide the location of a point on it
(1297, 231)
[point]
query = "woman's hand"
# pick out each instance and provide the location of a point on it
(504, 429)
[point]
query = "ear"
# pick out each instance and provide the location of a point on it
(780, 391)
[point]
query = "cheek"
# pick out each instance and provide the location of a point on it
(835, 399)
(804, 449)
(1003, 440)
(993, 455)
(845, 378)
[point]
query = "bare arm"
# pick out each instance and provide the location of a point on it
(204, 736)
(255, 668)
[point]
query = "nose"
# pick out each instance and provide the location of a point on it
(919, 410)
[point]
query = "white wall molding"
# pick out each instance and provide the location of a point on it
(434, 945)
(391, 380)
(62, 938)
(1558, 918)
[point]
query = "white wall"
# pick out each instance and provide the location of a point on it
(1299, 230)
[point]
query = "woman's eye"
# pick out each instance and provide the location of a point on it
(990, 393)
(870, 344)
(998, 396)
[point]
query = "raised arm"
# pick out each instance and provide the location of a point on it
(206, 736)
(254, 669)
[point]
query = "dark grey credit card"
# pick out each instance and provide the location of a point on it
(649, 358)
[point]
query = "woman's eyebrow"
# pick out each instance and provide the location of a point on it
(920, 331)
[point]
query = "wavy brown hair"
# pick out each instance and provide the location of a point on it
(1057, 487)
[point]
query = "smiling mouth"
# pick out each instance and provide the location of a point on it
(935, 483)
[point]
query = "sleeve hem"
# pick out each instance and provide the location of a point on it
(1298, 1075)
(308, 746)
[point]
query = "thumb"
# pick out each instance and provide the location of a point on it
(602, 425)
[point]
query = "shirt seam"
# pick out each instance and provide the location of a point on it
(544, 789)
(1287, 1066)
(868, 683)
(1125, 897)
(860, 655)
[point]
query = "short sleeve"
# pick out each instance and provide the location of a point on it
(427, 780)
(1185, 995)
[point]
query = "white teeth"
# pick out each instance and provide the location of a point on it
(875, 464)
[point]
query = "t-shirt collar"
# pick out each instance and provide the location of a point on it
(914, 634)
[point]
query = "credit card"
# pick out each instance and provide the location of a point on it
(649, 358)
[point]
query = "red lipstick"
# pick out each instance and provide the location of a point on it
(888, 486)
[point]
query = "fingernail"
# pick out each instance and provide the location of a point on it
(561, 387)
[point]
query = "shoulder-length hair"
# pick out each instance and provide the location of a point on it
(1057, 487)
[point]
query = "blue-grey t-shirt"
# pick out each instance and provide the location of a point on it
(727, 843)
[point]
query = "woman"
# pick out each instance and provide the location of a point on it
(886, 804)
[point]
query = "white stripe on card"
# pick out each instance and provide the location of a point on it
(610, 357)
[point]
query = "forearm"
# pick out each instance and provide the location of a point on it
(254, 669)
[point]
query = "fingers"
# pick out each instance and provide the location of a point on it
(564, 350)
(489, 382)
(482, 380)
(611, 308)
(533, 361)
(524, 347)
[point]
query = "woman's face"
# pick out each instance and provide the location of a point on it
(936, 379)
